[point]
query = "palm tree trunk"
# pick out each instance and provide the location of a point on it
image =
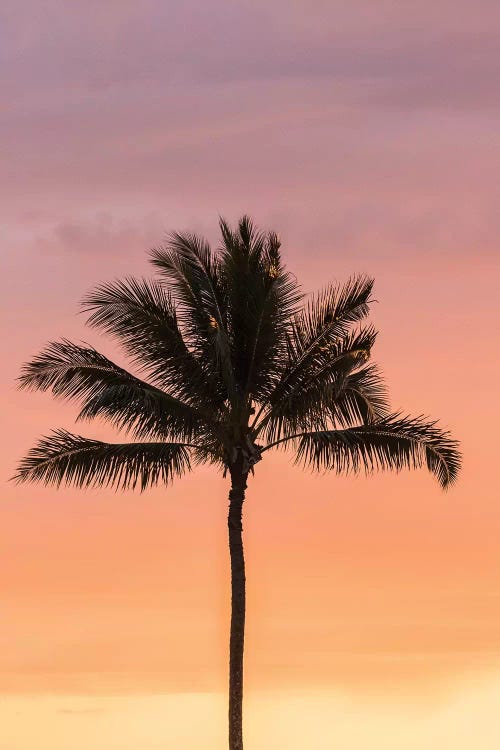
(236, 498)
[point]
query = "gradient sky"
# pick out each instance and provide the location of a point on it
(365, 133)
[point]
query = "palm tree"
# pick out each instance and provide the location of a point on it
(235, 363)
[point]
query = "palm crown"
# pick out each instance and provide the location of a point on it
(232, 361)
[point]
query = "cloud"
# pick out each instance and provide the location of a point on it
(103, 235)
(442, 50)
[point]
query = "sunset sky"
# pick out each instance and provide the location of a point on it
(366, 133)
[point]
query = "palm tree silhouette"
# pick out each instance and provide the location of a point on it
(236, 363)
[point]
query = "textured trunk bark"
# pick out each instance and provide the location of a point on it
(236, 498)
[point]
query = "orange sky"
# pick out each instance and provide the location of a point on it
(367, 141)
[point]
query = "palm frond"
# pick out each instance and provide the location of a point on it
(77, 372)
(394, 443)
(62, 457)
(145, 413)
(361, 397)
(331, 313)
(261, 299)
(192, 270)
(319, 328)
(246, 240)
(316, 394)
(142, 316)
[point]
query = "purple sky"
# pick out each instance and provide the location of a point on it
(357, 121)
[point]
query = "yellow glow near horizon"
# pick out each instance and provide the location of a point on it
(320, 720)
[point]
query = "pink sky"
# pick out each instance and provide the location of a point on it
(365, 134)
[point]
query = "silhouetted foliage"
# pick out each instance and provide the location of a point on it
(232, 359)
(231, 362)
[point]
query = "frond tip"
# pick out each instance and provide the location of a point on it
(393, 443)
(62, 457)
